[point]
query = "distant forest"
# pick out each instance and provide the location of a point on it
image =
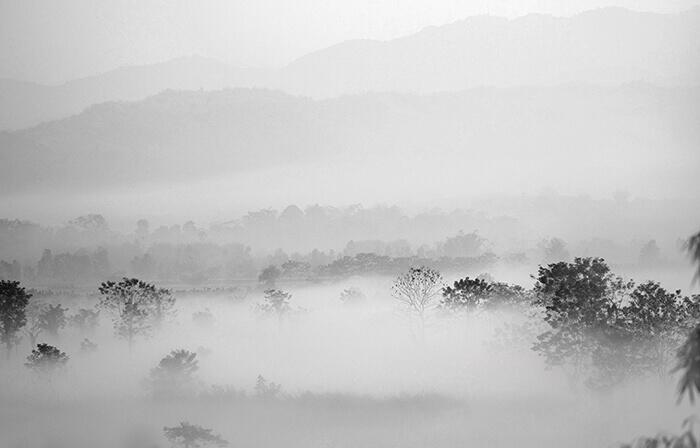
(315, 243)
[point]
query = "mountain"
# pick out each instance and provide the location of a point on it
(605, 47)
(24, 104)
(575, 138)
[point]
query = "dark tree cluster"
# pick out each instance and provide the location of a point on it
(605, 327)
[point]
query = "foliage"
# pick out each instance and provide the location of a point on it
(352, 296)
(554, 250)
(266, 389)
(606, 327)
(187, 435)
(465, 295)
(46, 358)
(276, 303)
(137, 306)
(416, 291)
(462, 245)
(32, 328)
(52, 318)
(269, 276)
(688, 363)
(687, 439)
(85, 320)
(693, 248)
(174, 375)
(203, 318)
(13, 303)
(87, 346)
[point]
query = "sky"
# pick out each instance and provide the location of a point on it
(55, 41)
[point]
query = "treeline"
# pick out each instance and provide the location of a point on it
(579, 316)
(201, 263)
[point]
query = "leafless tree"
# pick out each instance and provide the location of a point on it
(417, 291)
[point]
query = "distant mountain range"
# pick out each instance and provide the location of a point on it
(602, 47)
(479, 138)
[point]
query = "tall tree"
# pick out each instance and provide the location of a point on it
(174, 374)
(137, 307)
(13, 303)
(52, 318)
(417, 290)
(693, 248)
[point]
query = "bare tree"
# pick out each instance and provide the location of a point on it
(417, 290)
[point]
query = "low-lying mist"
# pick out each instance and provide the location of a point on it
(360, 374)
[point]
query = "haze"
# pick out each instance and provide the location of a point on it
(349, 224)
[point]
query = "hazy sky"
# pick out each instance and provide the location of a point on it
(54, 41)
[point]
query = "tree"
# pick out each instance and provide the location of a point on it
(554, 250)
(46, 358)
(416, 291)
(266, 389)
(85, 320)
(137, 306)
(32, 328)
(187, 435)
(203, 318)
(52, 318)
(352, 296)
(462, 245)
(688, 363)
(650, 254)
(13, 302)
(607, 326)
(692, 246)
(87, 346)
(465, 295)
(276, 303)
(174, 375)
(269, 276)
(576, 302)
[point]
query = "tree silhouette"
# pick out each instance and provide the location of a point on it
(269, 276)
(52, 318)
(693, 248)
(416, 291)
(137, 307)
(266, 389)
(174, 375)
(465, 295)
(186, 435)
(276, 303)
(13, 303)
(46, 358)
(85, 320)
(352, 296)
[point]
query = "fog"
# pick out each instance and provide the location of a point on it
(349, 376)
(349, 224)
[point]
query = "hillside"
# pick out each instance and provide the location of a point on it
(482, 140)
(534, 50)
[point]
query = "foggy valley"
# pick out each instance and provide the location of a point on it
(349, 224)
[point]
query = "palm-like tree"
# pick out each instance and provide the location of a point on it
(689, 364)
(693, 248)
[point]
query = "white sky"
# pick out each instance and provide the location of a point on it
(53, 41)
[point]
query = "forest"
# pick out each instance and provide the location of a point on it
(327, 361)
